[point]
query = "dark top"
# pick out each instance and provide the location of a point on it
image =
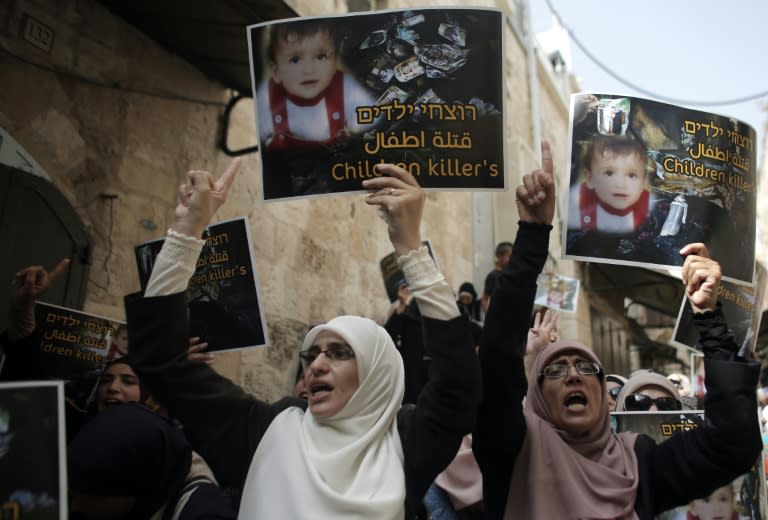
(225, 424)
(491, 282)
(688, 465)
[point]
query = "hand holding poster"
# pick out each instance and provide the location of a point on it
(648, 178)
(223, 293)
(335, 96)
(742, 309)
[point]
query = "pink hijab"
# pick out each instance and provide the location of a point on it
(557, 475)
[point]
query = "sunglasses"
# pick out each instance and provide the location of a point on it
(614, 392)
(643, 403)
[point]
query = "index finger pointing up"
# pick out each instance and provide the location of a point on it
(228, 177)
(547, 164)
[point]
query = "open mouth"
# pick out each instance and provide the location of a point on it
(109, 402)
(576, 400)
(319, 389)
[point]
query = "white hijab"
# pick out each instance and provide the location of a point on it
(349, 466)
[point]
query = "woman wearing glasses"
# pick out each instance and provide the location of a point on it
(647, 391)
(349, 450)
(613, 384)
(556, 456)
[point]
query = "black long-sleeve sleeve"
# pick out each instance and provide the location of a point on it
(692, 464)
(223, 422)
(500, 426)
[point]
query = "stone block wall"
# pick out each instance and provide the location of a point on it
(109, 111)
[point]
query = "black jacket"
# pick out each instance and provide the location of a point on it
(672, 473)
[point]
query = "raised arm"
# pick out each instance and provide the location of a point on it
(500, 426)
(695, 463)
(446, 408)
(222, 421)
(22, 355)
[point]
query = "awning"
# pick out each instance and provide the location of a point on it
(655, 290)
(211, 35)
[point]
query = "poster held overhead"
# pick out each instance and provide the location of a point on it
(337, 95)
(647, 178)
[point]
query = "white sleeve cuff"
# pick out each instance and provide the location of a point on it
(433, 296)
(174, 265)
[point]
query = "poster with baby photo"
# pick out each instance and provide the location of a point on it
(394, 279)
(742, 308)
(337, 95)
(557, 292)
(223, 295)
(33, 468)
(74, 346)
(742, 499)
(648, 178)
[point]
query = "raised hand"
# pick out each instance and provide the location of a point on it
(401, 202)
(543, 332)
(199, 199)
(536, 195)
(701, 276)
(32, 282)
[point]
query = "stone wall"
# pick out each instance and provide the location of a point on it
(110, 111)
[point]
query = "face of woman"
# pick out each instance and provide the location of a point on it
(654, 392)
(610, 385)
(330, 382)
(117, 384)
(574, 401)
(717, 506)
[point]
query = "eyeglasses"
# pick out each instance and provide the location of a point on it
(643, 403)
(614, 392)
(334, 352)
(558, 370)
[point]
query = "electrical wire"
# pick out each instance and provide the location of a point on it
(633, 86)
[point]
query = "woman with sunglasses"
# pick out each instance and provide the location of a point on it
(613, 384)
(647, 391)
(349, 450)
(556, 456)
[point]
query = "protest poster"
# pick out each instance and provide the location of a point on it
(336, 95)
(33, 469)
(392, 274)
(742, 308)
(74, 346)
(648, 178)
(742, 499)
(223, 294)
(556, 292)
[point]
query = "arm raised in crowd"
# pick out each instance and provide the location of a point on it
(500, 426)
(22, 356)
(446, 407)
(219, 416)
(694, 464)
